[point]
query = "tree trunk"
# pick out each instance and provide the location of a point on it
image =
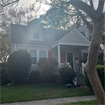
(92, 61)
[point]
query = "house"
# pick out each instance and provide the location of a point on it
(64, 46)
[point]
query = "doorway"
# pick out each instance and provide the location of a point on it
(70, 58)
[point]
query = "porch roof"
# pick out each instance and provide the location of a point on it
(73, 38)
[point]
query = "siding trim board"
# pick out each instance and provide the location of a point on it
(73, 44)
(27, 45)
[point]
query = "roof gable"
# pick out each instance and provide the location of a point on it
(83, 27)
(74, 37)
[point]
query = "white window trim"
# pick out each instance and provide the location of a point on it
(37, 55)
(46, 53)
(86, 34)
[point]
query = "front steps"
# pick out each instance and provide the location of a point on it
(80, 80)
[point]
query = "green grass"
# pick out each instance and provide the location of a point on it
(93, 102)
(38, 92)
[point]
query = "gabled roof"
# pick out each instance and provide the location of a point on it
(74, 37)
(83, 27)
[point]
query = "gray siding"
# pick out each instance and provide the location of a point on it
(74, 37)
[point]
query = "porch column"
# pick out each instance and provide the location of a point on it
(59, 60)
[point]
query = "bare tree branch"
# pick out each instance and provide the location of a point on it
(3, 4)
(83, 6)
(90, 27)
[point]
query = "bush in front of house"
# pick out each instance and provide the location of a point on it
(48, 68)
(34, 76)
(19, 64)
(3, 76)
(100, 71)
(67, 75)
(100, 59)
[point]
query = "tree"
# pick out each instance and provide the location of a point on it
(82, 8)
(5, 3)
(4, 46)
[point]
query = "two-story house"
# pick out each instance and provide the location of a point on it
(64, 46)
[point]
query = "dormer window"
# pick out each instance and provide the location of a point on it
(36, 33)
(84, 34)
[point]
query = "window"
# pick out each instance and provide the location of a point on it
(84, 34)
(42, 54)
(85, 55)
(33, 56)
(36, 33)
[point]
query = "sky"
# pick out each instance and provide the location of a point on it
(27, 3)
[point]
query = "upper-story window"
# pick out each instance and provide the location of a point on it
(35, 32)
(36, 35)
(84, 34)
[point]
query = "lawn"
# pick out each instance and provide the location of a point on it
(38, 92)
(93, 102)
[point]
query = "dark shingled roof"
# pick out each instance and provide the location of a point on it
(19, 35)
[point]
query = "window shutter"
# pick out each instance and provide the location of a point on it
(80, 56)
(49, 54)
(63, 57)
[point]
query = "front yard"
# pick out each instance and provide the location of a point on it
(17, 93)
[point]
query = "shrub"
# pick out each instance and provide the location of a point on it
(3, 76)
(19, 64)
(100, 59)
(48, 68)
(34, 76)
(67, 75)
(100, 71)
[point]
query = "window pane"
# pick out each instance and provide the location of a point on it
(33, 60)
(36, 33)
(32, 53)
(83, 33)
(43, 54)
(85, 55)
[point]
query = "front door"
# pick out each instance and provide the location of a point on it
(70, 58)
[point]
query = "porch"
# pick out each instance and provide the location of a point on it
(68, 54)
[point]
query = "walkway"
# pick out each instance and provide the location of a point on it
(54, 101)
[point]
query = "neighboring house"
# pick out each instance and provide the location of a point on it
(41, 42)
